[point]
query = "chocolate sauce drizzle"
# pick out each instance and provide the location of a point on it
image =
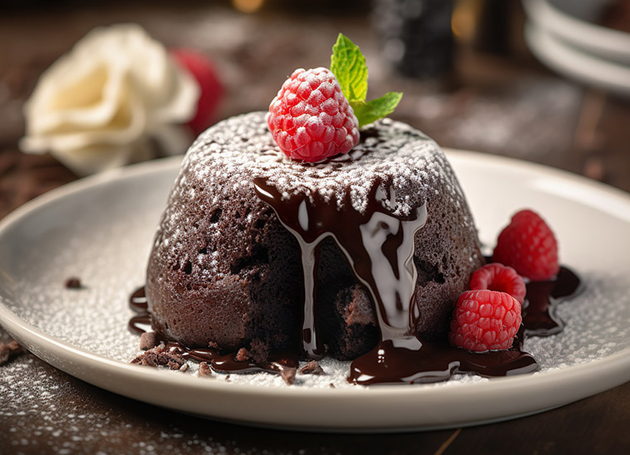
(432, 362)
(439, 361)
(543, 297)
(380, 247)
(138, 303)
(227, 363)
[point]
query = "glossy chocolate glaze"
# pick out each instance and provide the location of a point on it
(539, 311)
(380, 247)
(138, 303)
(227, 363)
(430, 363)
(438, 361)
(434, 362)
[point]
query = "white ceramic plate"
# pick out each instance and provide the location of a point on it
(575, 23)
(576, 64)
(101, 229)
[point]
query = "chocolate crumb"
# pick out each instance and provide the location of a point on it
(175, 362)
(148, 340)
(159, 356)
(204, 370)
(184, 368)
(8, 350)
(243, 354)
(331, 385)
(312, 367)
(213, 345)
(73, 283)
(227, 378)
(288, 374)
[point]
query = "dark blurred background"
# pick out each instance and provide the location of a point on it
(468, 77)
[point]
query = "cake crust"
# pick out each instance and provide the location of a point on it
(224, 270)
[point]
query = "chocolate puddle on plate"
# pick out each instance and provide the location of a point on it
(431, 363)
(439, 361)
(379, 247)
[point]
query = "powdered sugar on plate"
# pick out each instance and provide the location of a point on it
(104, 239)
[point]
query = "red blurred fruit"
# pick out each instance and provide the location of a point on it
(202, 69)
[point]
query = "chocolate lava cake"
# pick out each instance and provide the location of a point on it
(226, 272)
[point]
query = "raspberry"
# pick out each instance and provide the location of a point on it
(485, 321)
(498, 277)
(528, 245)
(201, 68)
(311, 119)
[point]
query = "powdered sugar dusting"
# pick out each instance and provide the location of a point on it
(108, 249)
(310, 119)
(219, 170)
(242, 147)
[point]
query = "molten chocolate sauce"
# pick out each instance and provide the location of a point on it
(539, 311)
(380, 247)
(138, 303)
(434, 362)
(430, 363)
(227, 363)
(438, 361)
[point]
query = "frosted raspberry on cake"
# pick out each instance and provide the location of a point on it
(311, 119)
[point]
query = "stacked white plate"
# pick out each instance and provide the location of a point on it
(564, 35)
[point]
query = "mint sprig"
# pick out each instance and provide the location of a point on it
(348, 65)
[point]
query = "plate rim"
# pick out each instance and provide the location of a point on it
(576, 63)
(25, 333)
(594, 38)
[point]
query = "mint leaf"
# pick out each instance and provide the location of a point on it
(347, 63)
(373, 110)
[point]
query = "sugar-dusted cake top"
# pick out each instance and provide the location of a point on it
(243, 148)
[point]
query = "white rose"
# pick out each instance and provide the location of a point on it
(97, 106)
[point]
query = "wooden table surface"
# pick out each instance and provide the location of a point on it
(500, 104)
